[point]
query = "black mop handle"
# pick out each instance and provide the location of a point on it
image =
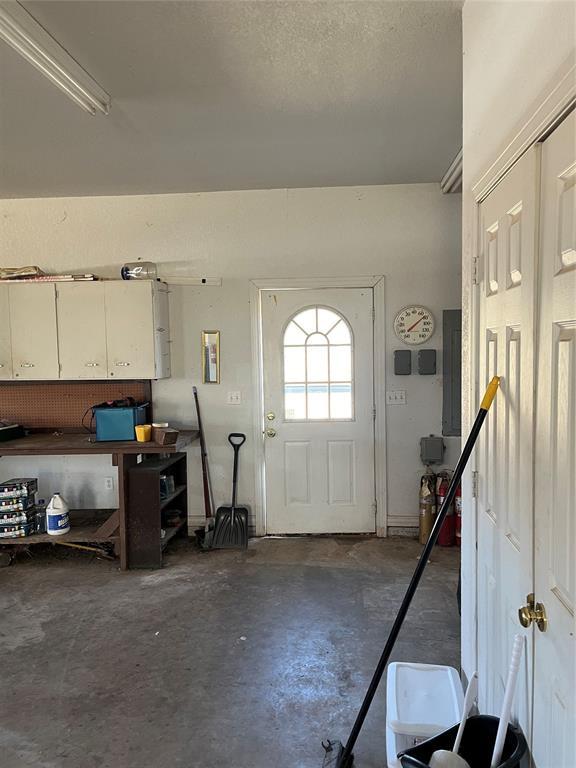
(418, 571)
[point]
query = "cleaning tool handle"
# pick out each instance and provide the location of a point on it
(469, 699)
(490, 393)
(207, 485)
(236, 439)
(346, 756)
(507, 703)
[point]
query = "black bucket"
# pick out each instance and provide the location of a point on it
(476, 748)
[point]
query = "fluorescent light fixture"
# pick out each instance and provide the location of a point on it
(21, 31)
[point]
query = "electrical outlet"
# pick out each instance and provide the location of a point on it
(396, 397)
(109, 483)
(234, 398)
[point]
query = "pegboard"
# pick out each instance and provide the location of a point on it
(45, 405)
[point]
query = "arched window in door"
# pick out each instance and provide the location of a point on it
(318, 379)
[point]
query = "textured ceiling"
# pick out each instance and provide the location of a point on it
(236, 95)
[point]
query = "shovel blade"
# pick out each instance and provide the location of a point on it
(231, 528)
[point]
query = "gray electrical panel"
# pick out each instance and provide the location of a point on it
(402, 362)
(451, 371)
(426, 362)
(431, 450)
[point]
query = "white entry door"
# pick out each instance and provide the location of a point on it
(554, 740)
(319, 410)
(509, 225)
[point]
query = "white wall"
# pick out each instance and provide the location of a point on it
(512, 52)
(410, 233)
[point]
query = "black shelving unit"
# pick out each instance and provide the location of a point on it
(149, 510)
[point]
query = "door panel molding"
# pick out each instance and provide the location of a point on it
(377, 283)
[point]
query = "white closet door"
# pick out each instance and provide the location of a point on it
(554, 741)
(82, 331)
(508, 221)
(5, 345)
(33, 331)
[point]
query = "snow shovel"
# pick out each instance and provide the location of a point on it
(231, 527)
(337, 754)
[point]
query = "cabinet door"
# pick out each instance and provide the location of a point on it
(82, 331)
(130, 329)
(5, 346)
(33, 331)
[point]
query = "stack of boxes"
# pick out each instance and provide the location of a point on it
(19, 514)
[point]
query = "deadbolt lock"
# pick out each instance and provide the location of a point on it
(270, 432)
(270, 416)
(533, 612)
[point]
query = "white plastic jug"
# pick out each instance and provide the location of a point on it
(57, 517)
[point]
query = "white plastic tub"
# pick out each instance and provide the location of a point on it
(421, 701)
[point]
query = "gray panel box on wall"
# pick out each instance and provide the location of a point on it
(402, 362)
(426, 362)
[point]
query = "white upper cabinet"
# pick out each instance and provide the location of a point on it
(5, 346)
(135, 337)
(82, 330)
(112, 329)
(33, 331)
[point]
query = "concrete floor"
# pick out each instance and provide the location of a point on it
(220, 660)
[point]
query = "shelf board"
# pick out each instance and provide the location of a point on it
(83, 529)
(171, 532)
(169, 499)
(158, 465)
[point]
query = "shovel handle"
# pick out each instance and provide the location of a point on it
(236, 439)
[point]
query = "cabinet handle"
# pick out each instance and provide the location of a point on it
(161, 330)
(26, 365)
(122, 364)
(91, 365)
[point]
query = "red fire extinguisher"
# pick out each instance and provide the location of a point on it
(458, 511)
(447, 533)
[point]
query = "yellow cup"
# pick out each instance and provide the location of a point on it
(143, 432)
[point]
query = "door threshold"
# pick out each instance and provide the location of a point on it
(371, 534)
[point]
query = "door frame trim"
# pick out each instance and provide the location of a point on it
(377, 283)
(548, 110)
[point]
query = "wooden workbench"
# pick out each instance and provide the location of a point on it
(124, 457)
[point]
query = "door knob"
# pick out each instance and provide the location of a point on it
(270, 432)
(533, 612)
(270, 416)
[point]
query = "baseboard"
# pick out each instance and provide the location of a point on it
(404, 531)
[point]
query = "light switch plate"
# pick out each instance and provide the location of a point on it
(396, 397)
(234, 398)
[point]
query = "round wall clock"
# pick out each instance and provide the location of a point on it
(414, 324)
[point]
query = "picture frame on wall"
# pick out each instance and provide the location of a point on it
(210, 347)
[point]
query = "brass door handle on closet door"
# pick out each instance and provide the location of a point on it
(533, 612)
(270, 432)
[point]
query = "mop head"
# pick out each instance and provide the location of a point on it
(333, 756)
